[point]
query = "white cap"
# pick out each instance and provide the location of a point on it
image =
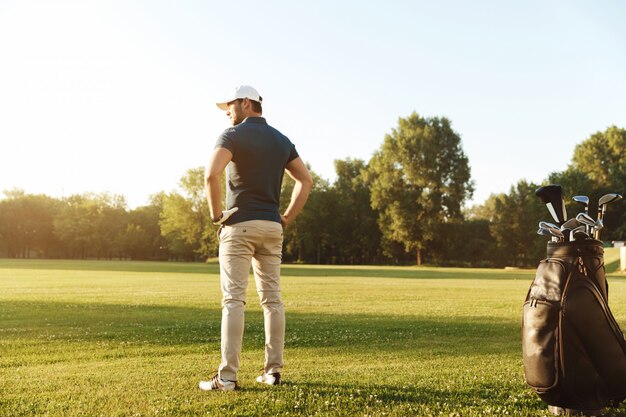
(243, 91)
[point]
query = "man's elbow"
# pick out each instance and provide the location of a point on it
(211, 178)
(307, 183)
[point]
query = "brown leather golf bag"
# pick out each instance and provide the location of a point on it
(573, 349)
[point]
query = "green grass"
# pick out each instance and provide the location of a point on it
(134, 338)
(612, 260)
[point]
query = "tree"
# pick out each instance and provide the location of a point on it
(602, 155)
(11, 236)
(309, 237)
(112, 222)
(143, 239)
(513, 226)
(92, 225)
(420, 179)
(467, 244)
(357, 237)
(185, 219)
(26, 224)
(599, 167)
(575, 182)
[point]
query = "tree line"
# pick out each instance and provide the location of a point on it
(403, 206)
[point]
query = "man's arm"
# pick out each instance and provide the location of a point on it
(213, 175)
(299, 172)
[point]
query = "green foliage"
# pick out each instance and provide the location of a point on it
(357, 235)
(308, 238)
(337, 224)
(80, 226)
(599, 167)
(91, 225)
(602, 156)
(409, 197)
(514, 226)
(468, 243)
(575, 182)
(185, 222)
(26, 224)
(143, 239)
(134, 338)
(419, 179)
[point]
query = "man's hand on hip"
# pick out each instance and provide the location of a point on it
(224, 216)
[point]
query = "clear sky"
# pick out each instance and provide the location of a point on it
(118, 96)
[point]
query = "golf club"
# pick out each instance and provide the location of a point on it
(552, 196)
(604, 201)
(588, 221)
(568, 226)
(584, 200)
(599, 225)
(546, 232)
(579, 233)
(552, 228)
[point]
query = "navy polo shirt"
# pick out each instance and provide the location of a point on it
(255, 174)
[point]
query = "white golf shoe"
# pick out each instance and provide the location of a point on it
(218, 384)
(269, 379)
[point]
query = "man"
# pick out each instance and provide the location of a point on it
(255, 156)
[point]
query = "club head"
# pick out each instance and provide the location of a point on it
(582, 199)
(546, 232)
(555, 235)
(604, 201)
(579, 233)
(588, 221)
(608, 199)
(600, 224)
(548, 225)
(584, 218)
(543, 232)
(570, 224)
(552, 196)
(552, 228)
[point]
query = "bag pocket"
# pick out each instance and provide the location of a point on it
(540, 344)
(599, 333)
(550, 281)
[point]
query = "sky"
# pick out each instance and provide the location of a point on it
(118, 96)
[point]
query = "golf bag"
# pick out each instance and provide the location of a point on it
(573, 349)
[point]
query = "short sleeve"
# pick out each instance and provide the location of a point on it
(225, 141)
(293, 154)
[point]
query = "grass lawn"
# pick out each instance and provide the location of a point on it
(90, 338)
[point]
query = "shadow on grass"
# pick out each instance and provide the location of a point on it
(404, 272)
(495, 397)
(36, 323)
(104, 265)
(410, 393)
(613, 267)
(288, 270)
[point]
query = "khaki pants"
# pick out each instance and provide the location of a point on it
(257, 243)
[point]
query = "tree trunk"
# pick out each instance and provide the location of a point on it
(419, 257)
